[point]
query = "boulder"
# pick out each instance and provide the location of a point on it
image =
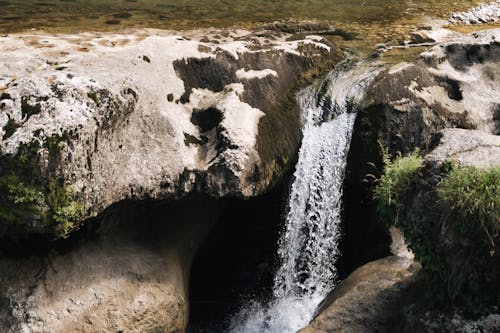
(92, 119)
(368, 300)
(130, 275)
(452, 85)
(467, 148)
(123, 147)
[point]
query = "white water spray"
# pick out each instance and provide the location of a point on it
(308, 247)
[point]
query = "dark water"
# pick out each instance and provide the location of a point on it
(73, 15)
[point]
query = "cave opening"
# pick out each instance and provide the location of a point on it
(237, 260)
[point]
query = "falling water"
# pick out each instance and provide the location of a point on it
(308, 247)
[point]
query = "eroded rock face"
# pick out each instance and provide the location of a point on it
(117, 126)
(89, 120)
(453, 85)
(445, 103)
(130, 276)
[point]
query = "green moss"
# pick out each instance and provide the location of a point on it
(19, 185)
(66, 209)
(19, 201)
(21, 193)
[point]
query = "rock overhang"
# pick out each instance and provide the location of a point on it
(149, 114)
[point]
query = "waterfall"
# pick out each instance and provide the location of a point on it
(308, 248)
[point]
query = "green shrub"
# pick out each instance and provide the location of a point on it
(473, 196)
(67, 210)
(32, 201)
(450, 218)
(394, 182)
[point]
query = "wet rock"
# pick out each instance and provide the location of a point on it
(368, 300)
(434, 321)
(419, 37)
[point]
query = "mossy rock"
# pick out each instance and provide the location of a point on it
(33, 200)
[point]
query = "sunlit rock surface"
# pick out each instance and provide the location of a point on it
(467, 148)
(148, 115)
(484, 13)
(366, 301)
(453, 85)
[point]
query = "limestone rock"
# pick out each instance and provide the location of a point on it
(453, 85)
(483, 13)
(445, 103)
(131, 275)
(367, 300)
(114, 127)
(467, 148)
(92, 119)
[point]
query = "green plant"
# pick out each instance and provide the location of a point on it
(25, 194)
(32, 197)
(450, 218)
(473, 196)
(395, 181)
(67, 210)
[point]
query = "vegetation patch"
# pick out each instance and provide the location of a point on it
(473, 196)
(395, 182)
(450, 217)
(67, 211)
(33, 199)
